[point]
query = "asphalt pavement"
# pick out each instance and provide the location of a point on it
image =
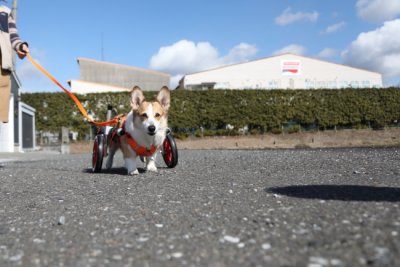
(311, 207)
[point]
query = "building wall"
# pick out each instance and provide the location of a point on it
(7, 130)
(286, 71)
(81, 87)
(27, 135)
(11, 133)
(121, 76)
(15, 85)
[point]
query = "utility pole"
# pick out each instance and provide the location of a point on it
(14, 15)
(14, 10)
(102, 46)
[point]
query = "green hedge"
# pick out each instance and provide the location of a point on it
(260, 110)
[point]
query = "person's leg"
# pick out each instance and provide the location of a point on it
(5, 91)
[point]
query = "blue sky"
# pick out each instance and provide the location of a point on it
(180, 37)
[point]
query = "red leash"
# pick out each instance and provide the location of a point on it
(73, 97)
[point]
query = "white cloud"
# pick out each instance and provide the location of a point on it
(377, 50)
(327, 52)
(239, 53)
(174, 82)
(25, 68)
(378, 10)
(334, 27)
(288, 17)
(31, 78)
(27, 71)
(293, 48)
(29, 74)
(185, 57)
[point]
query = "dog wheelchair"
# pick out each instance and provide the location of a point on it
(103, 138)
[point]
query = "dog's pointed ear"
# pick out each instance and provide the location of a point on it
(164, 98)
(136, 97)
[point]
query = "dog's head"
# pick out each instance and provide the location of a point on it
(150, 117)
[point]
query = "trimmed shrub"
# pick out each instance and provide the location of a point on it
(258, 110)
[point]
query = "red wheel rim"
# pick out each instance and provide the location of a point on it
(167, 151)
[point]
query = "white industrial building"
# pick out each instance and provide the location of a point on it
(286, 71)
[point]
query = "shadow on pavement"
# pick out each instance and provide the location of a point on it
(339, 192)
(121, 171)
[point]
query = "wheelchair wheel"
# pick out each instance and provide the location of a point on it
(170, 151)
(97, 155)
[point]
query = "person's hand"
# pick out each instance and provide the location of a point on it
(23, 50)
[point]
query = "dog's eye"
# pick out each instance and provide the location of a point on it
(158, 115)
(144, 115)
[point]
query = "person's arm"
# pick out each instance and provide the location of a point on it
(22, 48)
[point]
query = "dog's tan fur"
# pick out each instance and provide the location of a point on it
(138, 123)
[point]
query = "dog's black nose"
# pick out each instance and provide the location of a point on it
(151, 128)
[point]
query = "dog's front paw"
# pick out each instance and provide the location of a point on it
(135, 172)
(109, 163)
(130, 165)
(151, 167)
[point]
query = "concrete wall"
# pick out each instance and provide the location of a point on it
(121, 76)
(286, 71)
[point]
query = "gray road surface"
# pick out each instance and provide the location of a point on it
(314, 208)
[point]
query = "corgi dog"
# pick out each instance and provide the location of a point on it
(145, 128)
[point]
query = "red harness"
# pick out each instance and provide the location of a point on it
(139, 150)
